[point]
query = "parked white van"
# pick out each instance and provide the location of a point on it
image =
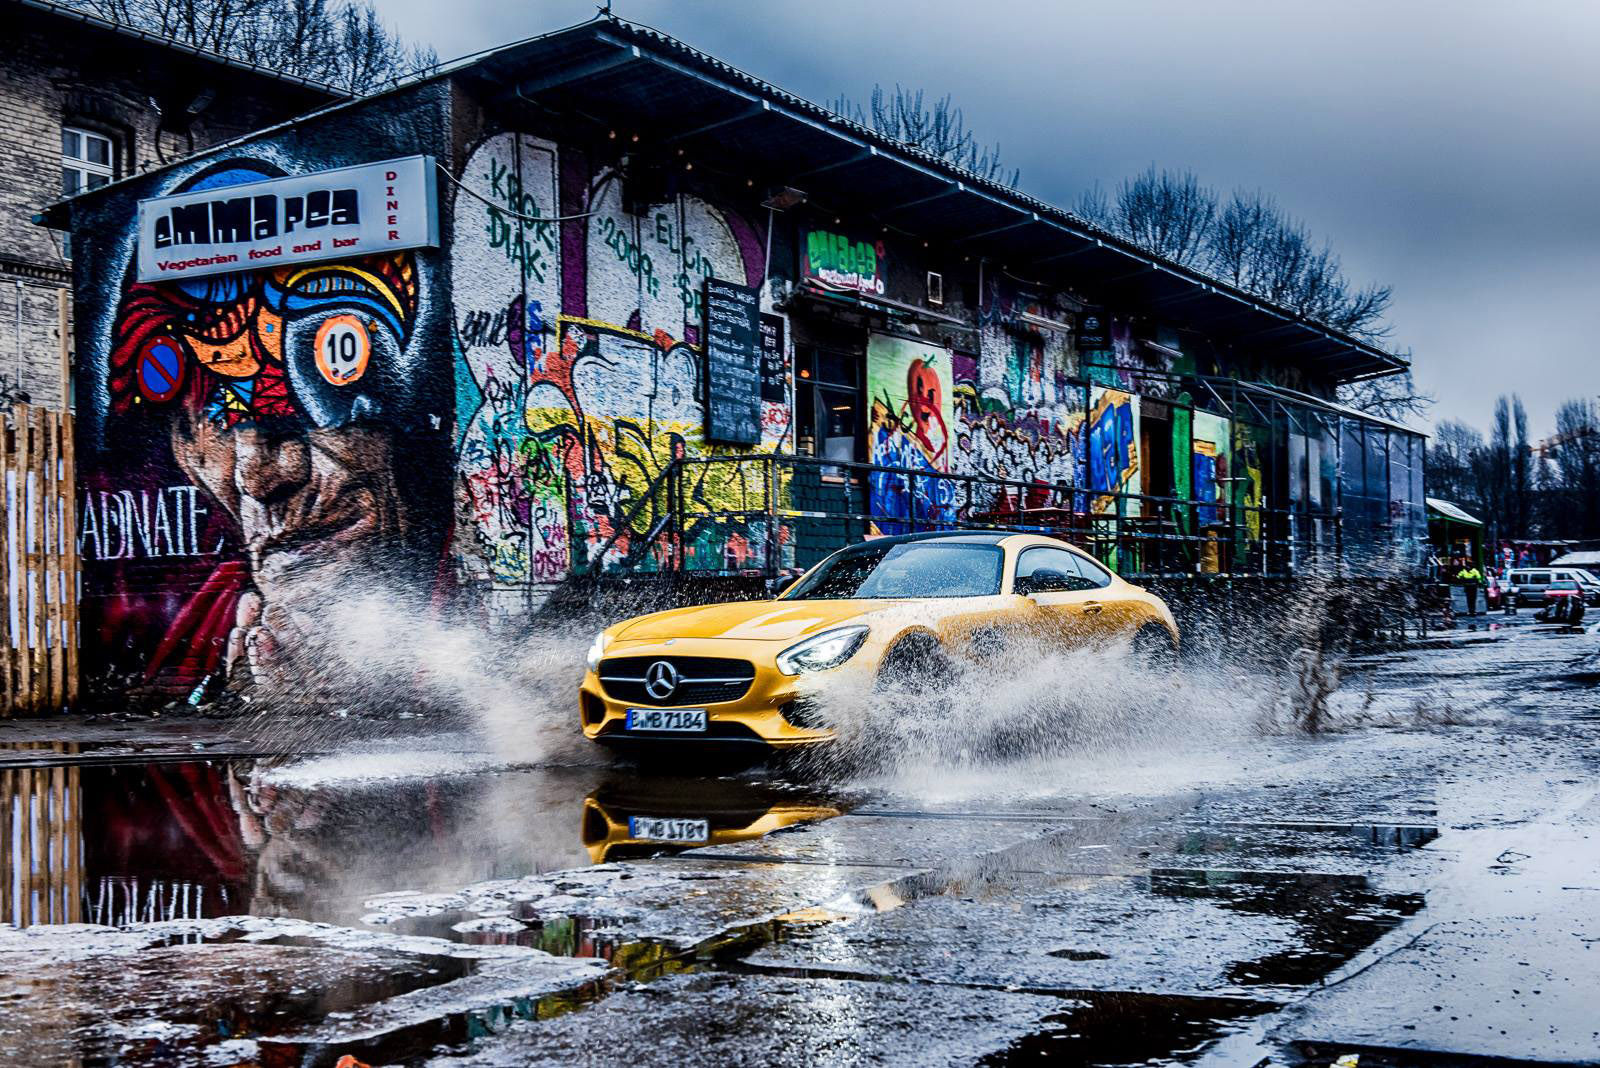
(1528, 584)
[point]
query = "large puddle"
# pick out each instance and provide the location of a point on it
(135, 843)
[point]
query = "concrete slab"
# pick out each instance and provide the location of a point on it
(1472, 988)
(718, 1018)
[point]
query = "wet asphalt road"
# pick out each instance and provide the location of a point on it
(1421, 882)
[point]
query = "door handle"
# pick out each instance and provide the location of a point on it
(1093, 608)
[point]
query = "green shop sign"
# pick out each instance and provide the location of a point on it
(838, 261)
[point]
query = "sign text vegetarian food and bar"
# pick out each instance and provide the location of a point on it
(352, 211)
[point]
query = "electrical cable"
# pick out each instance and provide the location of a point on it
(502, 209)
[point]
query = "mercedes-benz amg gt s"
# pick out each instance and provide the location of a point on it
(731, 673)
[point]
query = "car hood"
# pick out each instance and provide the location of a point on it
(775, 621)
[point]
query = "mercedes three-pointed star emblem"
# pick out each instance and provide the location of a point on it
(661, 680)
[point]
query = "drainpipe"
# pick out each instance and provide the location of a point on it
(19, 335)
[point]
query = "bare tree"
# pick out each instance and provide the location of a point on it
(1521, 471)
(1455, 449)
(1168, 213)
(1505, 471)
(940, 130)
(1391, 397)
(344, 43)
(1249, 241)
(1571, 480)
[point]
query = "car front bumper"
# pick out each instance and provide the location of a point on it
(764, 715)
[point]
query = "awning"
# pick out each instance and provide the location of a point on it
(1452, 512)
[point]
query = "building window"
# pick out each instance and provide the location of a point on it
(830, 419)
(88, 160)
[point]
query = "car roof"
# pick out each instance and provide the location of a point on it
(974, 537)
(966, 537)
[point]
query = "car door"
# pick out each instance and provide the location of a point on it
(1069, 602)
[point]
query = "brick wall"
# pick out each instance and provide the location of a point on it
(56, 70)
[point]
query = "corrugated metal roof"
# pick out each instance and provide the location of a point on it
(634, 76)
(1453, 512)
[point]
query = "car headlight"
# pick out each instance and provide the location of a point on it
(822, 651)
(596, 650)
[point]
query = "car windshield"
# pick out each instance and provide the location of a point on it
(1563, 584)
(906, 569)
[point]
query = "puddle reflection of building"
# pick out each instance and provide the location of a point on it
(321, 849)
(161, 842)
(41, 845)
(644, 816)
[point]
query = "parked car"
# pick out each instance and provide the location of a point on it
(892, 608)
(1530, 583)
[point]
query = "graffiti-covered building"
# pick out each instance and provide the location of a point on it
(597, 301)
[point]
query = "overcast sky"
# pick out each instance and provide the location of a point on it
(1449, 149)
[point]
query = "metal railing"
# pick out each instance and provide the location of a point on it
(774, 514)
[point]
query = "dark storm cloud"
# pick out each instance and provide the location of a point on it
(1447, 149)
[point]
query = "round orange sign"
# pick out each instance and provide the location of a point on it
(343, 348)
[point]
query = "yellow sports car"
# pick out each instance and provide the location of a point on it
(730, 673)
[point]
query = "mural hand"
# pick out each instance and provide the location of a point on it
(246, 615)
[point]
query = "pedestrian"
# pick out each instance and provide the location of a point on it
(1469, 576)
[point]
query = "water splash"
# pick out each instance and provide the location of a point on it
(1033, 716)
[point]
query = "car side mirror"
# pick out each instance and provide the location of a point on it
(1044, 580)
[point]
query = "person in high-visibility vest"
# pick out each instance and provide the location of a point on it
(1469, 576)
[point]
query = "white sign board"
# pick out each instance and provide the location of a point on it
(352, 211)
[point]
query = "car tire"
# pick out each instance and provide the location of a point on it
(1153, 648)
(916, 667)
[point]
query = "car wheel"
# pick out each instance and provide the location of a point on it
(1154, 648)
(916, 668)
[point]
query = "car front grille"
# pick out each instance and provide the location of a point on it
(702, 680)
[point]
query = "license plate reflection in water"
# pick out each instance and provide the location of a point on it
(666, 719)
(658, 829)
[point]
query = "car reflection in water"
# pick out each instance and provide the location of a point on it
(640, 817)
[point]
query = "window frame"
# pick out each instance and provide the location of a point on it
(1083, 573)
(81, 164)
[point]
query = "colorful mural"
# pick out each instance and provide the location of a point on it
(1019, 414)
(266, 436)
(1114, 450)
(578, 371)
(1213, 444)
(909, 388)
(253, 426)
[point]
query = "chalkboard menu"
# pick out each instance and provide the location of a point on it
(774, 368)
(733, 362)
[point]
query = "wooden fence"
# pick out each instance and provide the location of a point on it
(39, 563)
(41, 842)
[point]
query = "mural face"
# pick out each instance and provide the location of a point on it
(256, 423)
(910, 389)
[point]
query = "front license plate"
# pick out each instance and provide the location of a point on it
(661, 829)
(666, 719)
